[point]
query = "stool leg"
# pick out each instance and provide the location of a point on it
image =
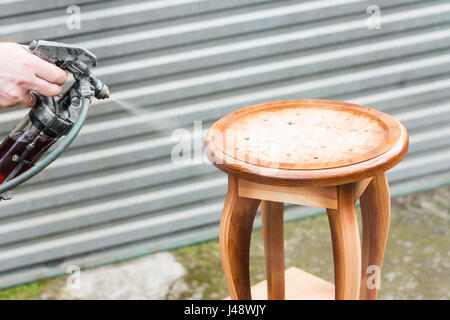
(272, 228)
(346, 245)
(375, 212)
(234, 237)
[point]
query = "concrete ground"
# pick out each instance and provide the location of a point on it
(416, 265)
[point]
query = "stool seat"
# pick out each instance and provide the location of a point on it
(306, 142)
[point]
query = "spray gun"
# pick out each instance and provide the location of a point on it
(51, 118)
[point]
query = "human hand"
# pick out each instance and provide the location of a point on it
(22, 72)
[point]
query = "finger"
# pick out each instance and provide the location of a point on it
(49, 72)
(6, 102)
(45, 88)
(23, 97)
(28, 101)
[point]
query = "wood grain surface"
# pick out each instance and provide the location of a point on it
(306, 142)
(375, 213)
(234, 237)
(273, 235)
(346, 245)
(300, 285)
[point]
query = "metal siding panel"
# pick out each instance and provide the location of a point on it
(26, 7)
(97, 16)
(116, 189)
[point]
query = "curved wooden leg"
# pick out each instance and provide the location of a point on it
(234, 237)
(272, 228)
(346, 245)
(375, 212)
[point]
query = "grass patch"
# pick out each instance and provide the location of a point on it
(29, 291)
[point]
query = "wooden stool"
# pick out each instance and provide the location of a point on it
(310, 152)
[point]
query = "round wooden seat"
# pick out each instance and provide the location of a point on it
(306, 142)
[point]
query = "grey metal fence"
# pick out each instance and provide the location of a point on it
(117, 194)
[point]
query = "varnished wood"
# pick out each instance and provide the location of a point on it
(346, 245)
(235, 231)
(272, 229)
(325, 144)
(308, 152)
(297, 135)
(300, 285)
(359, 187)
(325, 197)
(375, 213)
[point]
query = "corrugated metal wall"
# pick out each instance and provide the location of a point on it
(116, 193)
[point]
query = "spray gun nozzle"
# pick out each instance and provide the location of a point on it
(101, 90)
(33, 44)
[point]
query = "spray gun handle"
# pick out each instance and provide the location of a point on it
(75, 60)
(62, 54)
